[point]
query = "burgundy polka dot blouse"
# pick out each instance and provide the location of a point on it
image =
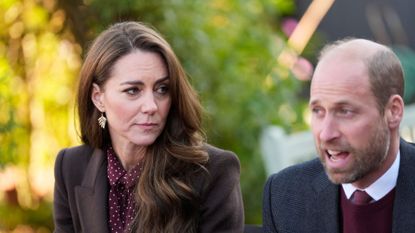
(121, 196)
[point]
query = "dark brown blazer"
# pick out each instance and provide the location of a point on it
(81, 192)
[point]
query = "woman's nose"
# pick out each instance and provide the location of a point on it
(149, 104)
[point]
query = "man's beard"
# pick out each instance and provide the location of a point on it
(365, 161)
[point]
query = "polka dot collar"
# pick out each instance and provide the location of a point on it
(117, 173)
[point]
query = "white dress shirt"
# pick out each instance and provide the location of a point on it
(381, 186)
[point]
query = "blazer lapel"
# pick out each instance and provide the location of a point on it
(404, 204)
(325, 207)
(92, 195)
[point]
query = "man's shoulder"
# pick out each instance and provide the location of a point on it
(298, 174)
(307, 169)
(291, 196)
(407, 148)
(407, 151)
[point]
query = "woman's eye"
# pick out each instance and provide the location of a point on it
(132, 91)
(162, 89)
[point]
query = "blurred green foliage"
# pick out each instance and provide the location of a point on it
(229, 49)
(39, 217)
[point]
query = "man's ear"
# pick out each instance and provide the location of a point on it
(97, 96)
(394, 111)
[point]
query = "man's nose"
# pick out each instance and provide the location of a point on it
(329, 130)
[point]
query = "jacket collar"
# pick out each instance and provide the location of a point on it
(404, 204)
(92, 195)
(325, 206)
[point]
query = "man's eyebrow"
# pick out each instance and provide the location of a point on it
(313, 102)
(338, 103)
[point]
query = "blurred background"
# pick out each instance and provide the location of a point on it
(247, 59)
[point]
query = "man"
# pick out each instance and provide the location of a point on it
(356, 105)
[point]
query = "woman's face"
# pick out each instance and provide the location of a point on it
(135, 99)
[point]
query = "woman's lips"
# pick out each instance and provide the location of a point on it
(147, 125)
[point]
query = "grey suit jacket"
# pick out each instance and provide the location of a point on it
(81, 192)
(302, 199)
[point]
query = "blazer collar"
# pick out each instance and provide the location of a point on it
(325, 207)
(92, 195)
(404, 204)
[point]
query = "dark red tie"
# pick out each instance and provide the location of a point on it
(361, 198)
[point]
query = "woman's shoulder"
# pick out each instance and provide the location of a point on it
(81, 149)
(76, 153)
(72, 163)
(222, 166)
(74, 159)
(221, 160)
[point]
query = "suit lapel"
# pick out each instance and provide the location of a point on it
(325, 210)
(325, 207)
(92, 195)
(404, 204)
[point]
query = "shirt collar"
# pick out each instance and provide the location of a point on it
(114, 169)
(116, 172)
(381, 186)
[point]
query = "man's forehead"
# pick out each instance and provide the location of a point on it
(335, 101)
(340, 71)
(340, 87)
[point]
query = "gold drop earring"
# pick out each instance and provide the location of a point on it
(102, 120)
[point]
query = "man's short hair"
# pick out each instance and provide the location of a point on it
(384, 70)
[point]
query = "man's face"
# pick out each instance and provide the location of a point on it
(351, 135)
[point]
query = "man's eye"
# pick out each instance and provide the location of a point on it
(316, 110)
(345, 111)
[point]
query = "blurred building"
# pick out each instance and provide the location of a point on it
(387, 21)
(390, 22)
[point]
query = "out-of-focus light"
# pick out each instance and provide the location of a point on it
(300, 36)
(302, 69)
(288, 25)
(308, 24)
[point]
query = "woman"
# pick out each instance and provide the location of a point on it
(144, 166)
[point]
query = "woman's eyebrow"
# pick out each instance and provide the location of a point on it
(139, 82)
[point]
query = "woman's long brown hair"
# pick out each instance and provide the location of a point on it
(166, 199)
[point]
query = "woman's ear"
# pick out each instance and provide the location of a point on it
(394, 111)
(97, 96)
